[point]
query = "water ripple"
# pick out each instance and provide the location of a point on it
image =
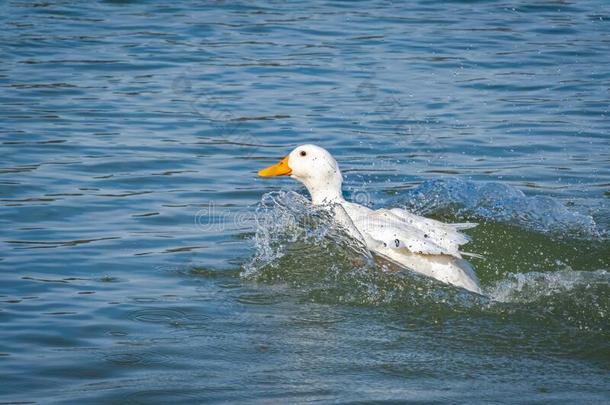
(131, 133)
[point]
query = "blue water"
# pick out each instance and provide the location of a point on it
(143, 261)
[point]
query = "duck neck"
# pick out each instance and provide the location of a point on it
(325, 193)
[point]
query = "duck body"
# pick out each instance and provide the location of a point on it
(424, 245)
(420, 244)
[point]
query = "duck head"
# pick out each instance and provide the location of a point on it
(315, 168)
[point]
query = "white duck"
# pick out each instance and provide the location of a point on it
(424, 245)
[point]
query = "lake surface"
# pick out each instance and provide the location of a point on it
(143, 261)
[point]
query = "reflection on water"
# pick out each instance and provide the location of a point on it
(138, 264)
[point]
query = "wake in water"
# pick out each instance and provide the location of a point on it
(529, 287)
(300, 245)
(499, 203)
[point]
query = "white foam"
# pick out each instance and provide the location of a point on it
(500, 203)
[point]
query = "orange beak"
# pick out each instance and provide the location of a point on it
(279, 169)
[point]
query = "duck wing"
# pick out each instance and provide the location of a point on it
(399, 229)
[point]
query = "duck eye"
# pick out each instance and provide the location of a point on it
(303, 153)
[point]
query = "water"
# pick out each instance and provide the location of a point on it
(142, 260)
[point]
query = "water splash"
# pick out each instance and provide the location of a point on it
(499, 203)
(531, 287)
(287, 225)
(300, 246)
(571, 299)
